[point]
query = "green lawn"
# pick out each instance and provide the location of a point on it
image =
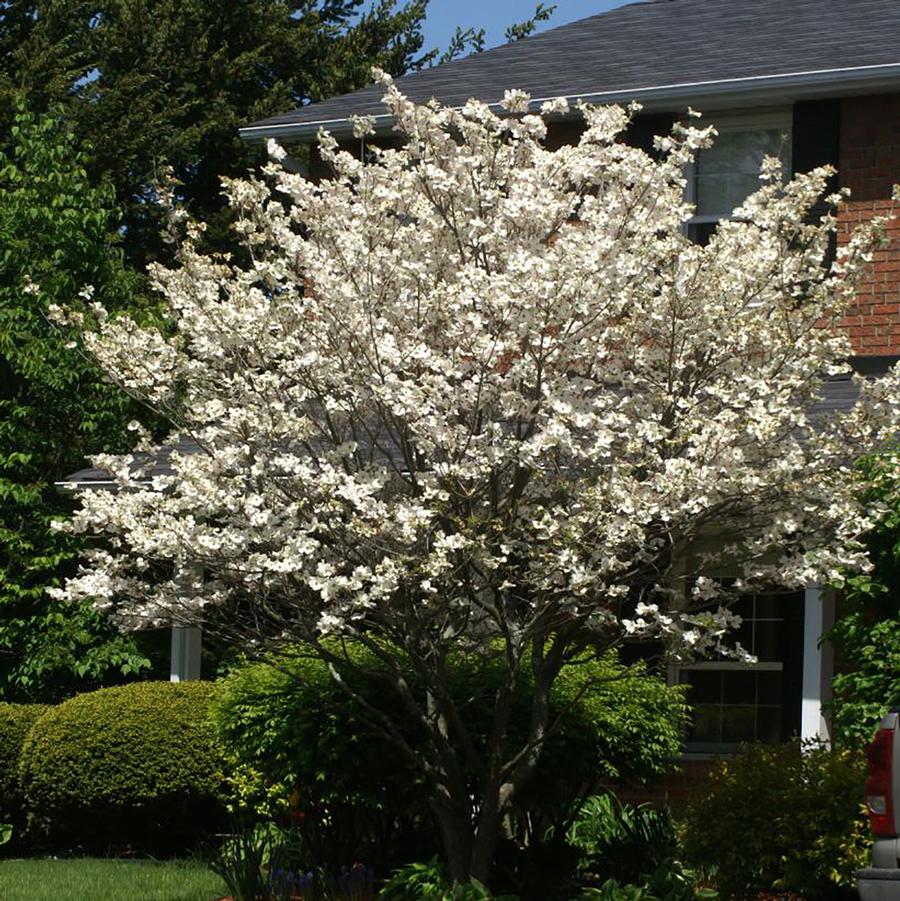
(90, 879)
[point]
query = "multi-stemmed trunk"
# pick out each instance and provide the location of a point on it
(470, 817)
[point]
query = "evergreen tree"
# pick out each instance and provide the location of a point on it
(169, 82)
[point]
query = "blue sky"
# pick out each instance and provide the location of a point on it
(495, 15)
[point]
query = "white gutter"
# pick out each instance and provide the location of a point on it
(753, 90)
(87, 484)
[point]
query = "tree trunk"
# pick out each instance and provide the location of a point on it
(457, 839)
(486, 838)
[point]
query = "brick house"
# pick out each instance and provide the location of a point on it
(816, 81)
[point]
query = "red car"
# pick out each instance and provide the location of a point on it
(881, 881)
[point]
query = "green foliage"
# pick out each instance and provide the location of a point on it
(242, 860)
(155, 82)
(267, 863)
(867, 631)
(429, 882)
(519, 30)
(293, 720)
(57, 231)
(290, 728)
(16, 721)
(620, 841)
(786, 817)
(138, 762)
(291, 731)
(417, 880)
(669, 882)
(621, 722)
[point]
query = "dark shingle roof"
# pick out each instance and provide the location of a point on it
(670, 47)
(148, 465)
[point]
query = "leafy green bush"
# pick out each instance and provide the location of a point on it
(15, 722)
(786, 817)
(289, 727)
(299, 750)
(866, 632)
(429, 882)
(135, 765)
(669, 882)
(620, 841)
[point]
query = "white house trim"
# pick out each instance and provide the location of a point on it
(187, 642)
(818, 663)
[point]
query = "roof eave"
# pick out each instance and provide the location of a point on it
(737, 92)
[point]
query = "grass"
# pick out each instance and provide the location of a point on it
(91, 879)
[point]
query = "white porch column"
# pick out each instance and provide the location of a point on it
(818, 663)
(187, 641)
(186, 644)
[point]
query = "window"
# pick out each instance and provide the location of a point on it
(734, 702)
(728, 172)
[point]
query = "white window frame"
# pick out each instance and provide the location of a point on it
(816, 673)
(762, 120)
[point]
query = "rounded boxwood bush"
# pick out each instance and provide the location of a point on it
(15, 722)
(131, 766)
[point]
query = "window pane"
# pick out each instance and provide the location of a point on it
(770, 688)
(771, 606)
(707, 725)
(739, 688)
(738, 724)
(743, 606)
(728, 172)
(744, 635)
(767, 646)
(701, 232)
(768, 724)
(706, 687)
(733, 705)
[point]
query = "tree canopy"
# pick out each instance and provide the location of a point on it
(477, 395)
(152, 83)
(123, 94)
(56, 229)
(866, 633)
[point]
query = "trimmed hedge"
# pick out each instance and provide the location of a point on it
(131, 766)
(15, 722)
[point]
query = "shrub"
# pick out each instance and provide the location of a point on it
(429, 882)
(299, 749)
(786, 817)
(620, 841)
(135, 765)
(866, 633)
(291, 724)
(15, 722)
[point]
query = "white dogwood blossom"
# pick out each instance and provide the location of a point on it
(471, 392)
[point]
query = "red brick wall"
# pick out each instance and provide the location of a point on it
(675, 789)
(869, 166)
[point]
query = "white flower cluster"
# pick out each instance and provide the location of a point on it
(473, 387)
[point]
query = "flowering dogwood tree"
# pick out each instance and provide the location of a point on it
(475, 395)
